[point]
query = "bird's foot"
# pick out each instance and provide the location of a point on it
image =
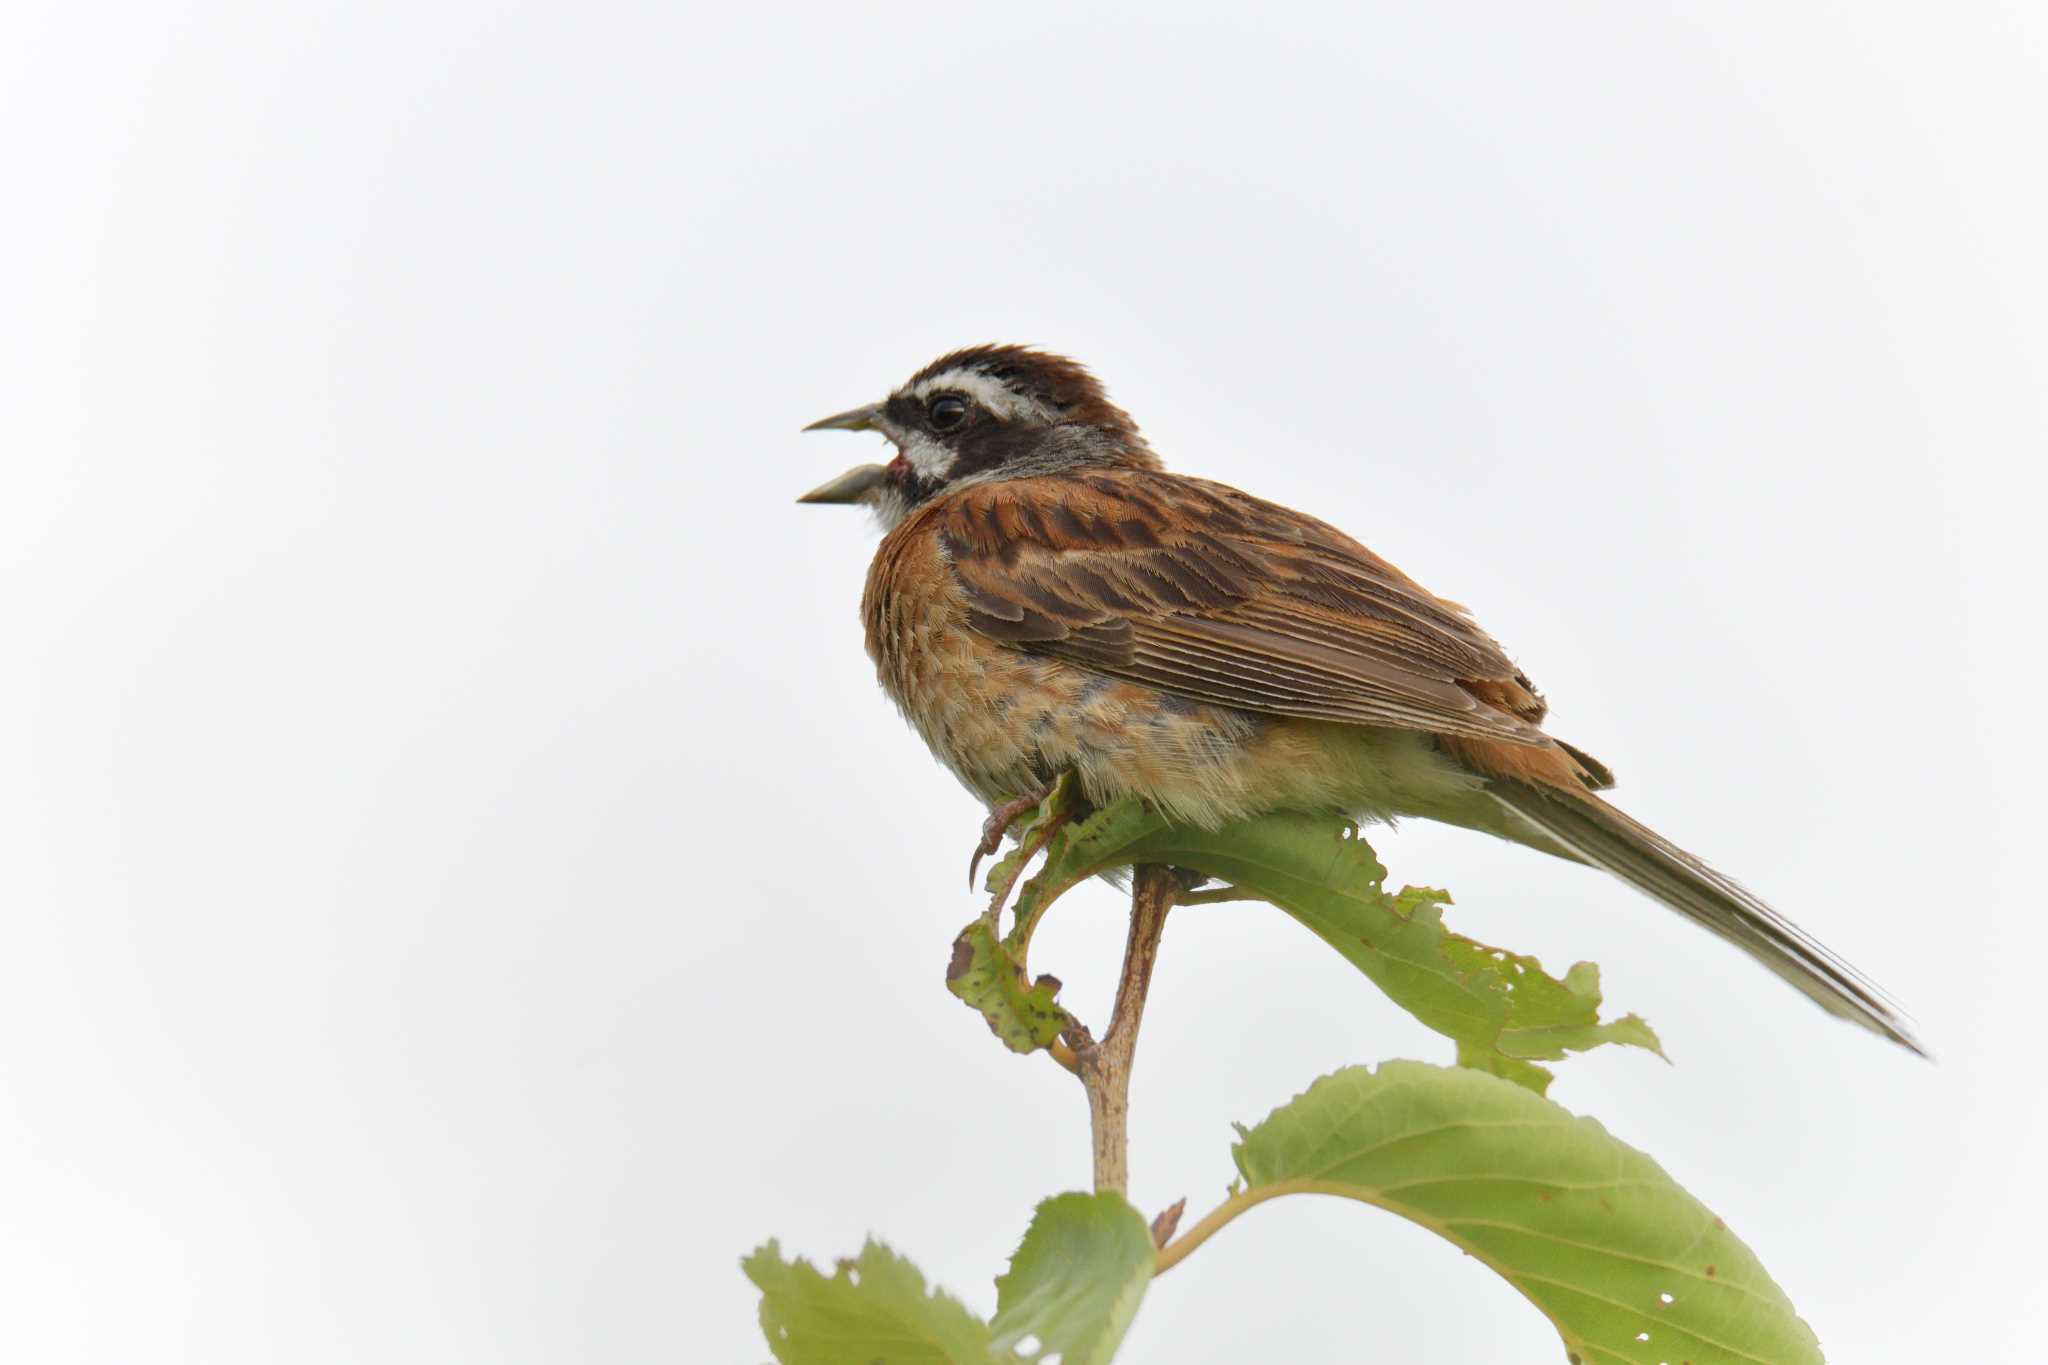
(998, 824)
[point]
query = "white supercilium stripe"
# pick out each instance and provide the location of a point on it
(997, 398)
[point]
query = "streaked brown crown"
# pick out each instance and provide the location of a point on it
(1059, 382)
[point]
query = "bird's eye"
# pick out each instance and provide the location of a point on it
(947, 412)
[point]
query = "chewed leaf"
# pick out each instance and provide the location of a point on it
(874, 1307)
(1627, 1266)
(1503, 1011)
(1025, 1014)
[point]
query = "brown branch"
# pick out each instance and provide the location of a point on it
(1105, 1067)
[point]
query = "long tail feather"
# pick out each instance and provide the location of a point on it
(1652, 864)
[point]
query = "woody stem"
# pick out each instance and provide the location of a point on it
(1105, 1066)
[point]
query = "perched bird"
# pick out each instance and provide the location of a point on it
(1047, 598)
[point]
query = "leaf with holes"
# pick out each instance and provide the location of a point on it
(1025, 1014)
(1503, 1011)
(1627, 1266)
(873, 1308)
(1075, 1283)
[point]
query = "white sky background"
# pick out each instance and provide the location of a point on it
(462, 887)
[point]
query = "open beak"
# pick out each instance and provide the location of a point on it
(853, 419)
(851, 486)
(858, 481)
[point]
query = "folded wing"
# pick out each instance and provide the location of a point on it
(1212, 594)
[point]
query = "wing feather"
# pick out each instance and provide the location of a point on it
(1212, 594)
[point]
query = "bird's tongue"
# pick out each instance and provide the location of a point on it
(899, 467)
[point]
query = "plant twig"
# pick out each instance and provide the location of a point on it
(1032, 847)
(1105, 1067)
(1174, 1252)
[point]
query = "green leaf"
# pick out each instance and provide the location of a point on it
(1025, 1014)
(873, 1310)
(1503, 1011)
(1073, 1285)
(1626, 1265)
(1076, 1281)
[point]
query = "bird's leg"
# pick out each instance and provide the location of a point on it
(998, 824)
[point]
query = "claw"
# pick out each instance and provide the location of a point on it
(998, 824)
